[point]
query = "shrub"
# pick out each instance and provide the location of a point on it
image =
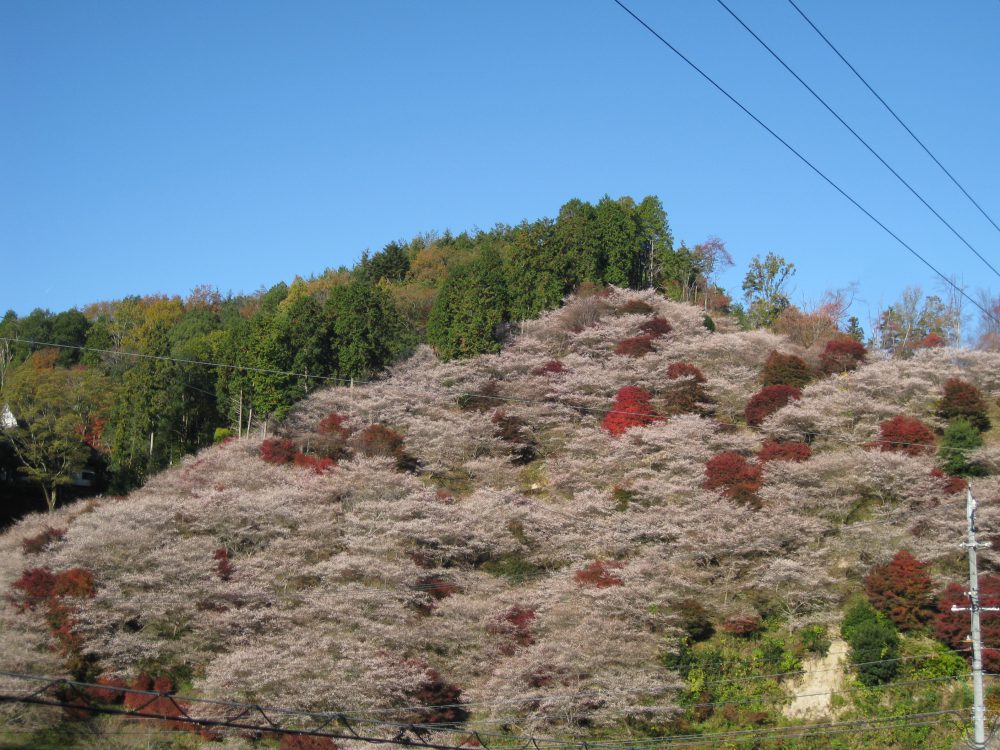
(552, 367)
(952, 628)
(331, 436)
(306, 742)
(32, 545)
(512, 429)
(656, 327)
(874, 643)
(768, 400)
(842, 354)
(775, 451)
(484, 399)
(111, 690)
(318, 464)
(737, 478)
(440, 701)
(743, 626)
(34, 587)
(599, 574)
(902, 591)
(785, 369)
(930, 341)
(514, 626)
(637, 346)
(694, 620)
(223, 568)
(635, 307)
(904, 435)
(963, 400)
(708, 323)
(952, 485)
(278, 451)
(379, 441)
(75, 582)
(678, 370)
(631, 408)
(814, 639)
(684, 392)
(221, 435)
(958, 440)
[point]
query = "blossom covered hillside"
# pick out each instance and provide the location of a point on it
(543, 539)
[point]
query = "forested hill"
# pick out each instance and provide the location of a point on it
(624, 525)
(460, 293)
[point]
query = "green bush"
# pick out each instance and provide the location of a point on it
(874, 642)
(814, 640)
(221, 433)
(960, 437)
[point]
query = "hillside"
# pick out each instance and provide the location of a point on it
(551, 567)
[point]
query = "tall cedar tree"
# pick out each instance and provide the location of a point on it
(902, 591)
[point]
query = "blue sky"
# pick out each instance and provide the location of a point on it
(152, 147)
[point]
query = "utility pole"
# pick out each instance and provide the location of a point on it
(974, 608)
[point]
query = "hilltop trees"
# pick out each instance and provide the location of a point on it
(764, 290)
(61, 413)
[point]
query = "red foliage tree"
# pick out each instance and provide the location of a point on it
(842, 354)
(631, 408)
(775, 451)
(656, 327)
(599, 574)
(768, 400)
(41, 588)
(930, 341)
(278, 451)
(318, 464)
(737, 478)
(952, 485)
(963, 400)
(904, 435)
(952, 628)
(637, 346)
(111, 690)
(552, 367)
(902, 590)
(785, 369)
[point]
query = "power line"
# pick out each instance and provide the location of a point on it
(805, 161)
(896, 116)
(73, 695)
(863, 142)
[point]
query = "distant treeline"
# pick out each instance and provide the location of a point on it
(459, 293)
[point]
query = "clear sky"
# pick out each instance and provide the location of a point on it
(151, 147)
